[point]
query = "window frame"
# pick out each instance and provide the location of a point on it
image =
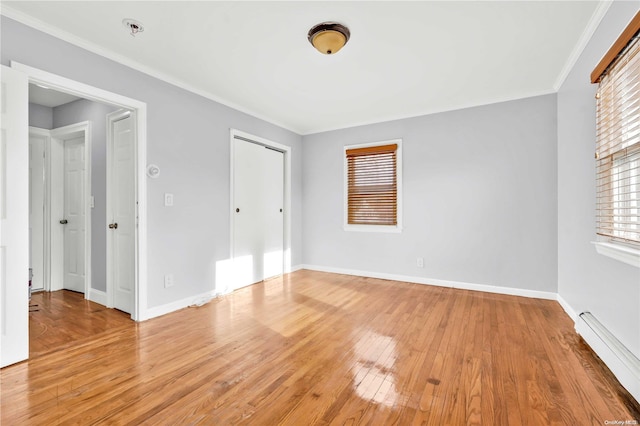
(397, 228)
(625, 251)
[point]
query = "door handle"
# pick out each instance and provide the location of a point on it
(113, 226)
(64, 221)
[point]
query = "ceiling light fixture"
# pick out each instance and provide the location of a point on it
(134, 26)
(328, 37)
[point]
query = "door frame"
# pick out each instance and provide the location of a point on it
(86, 91)
(56, 190)
(286, 150)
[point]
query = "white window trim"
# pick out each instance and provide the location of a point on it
(620, 252)
(374, 228)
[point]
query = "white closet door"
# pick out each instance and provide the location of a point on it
(273, 206)
(258, 182)
(248, 220)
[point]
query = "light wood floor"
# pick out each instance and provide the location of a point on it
(315, 348)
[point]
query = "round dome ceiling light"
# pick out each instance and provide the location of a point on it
(328, 37)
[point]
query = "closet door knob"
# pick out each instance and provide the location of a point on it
(237, 210)
(113, 226)
(64, 221)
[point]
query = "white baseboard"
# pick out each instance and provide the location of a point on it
(567, 308)
(178, 304)
(98, 296)
(437, 282)
(296, 268)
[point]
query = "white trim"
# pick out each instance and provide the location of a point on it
(58, 135)
(140, 112)
(198, 300)
(12, 13)
(286, 150)
(567, 308)
(296, 268)
(438, 282)
(345, 190)
(623, 253)
(585, 37)
(98, 296)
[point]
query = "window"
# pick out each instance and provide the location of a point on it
(373, 187)
(618, 140)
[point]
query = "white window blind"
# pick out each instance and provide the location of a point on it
(618, 147)
(372, 186)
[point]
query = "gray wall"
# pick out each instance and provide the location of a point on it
(479, 197)
(40, 116)
(96, 113)
(586, 280)
(188, 137)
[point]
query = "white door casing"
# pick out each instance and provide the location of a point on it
(38, 140)
(121, 211)
(14, 217)
(82, 90)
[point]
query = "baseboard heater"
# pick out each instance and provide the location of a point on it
(620, 360)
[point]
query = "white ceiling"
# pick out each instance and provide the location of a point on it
(50, 98)
(404, 58)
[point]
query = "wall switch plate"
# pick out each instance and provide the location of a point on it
(168, 199)
(420, 262)
(168, 281)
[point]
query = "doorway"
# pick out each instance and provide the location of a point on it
(15, 344)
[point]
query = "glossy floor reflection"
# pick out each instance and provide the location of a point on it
(319, 348)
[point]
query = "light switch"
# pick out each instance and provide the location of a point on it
(168, 199)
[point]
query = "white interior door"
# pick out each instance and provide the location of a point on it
(37, 208)
(74, 214)
(248, 220)
(258, 185)
(273, 206)
(14, 217)
(121, 213)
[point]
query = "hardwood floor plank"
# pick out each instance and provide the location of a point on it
(313, 348)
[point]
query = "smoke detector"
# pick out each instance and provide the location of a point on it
(134, 26)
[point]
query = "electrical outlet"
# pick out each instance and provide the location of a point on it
(168, 281)
(168, 199)
(420, 262)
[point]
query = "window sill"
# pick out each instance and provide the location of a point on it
(622, 253)
(373, 228)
